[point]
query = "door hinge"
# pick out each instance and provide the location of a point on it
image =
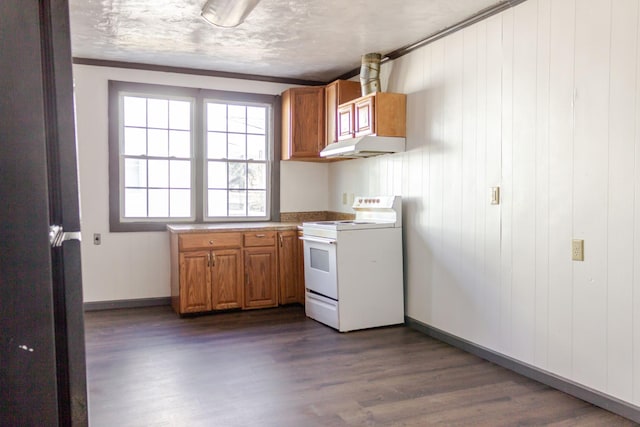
(57, 236)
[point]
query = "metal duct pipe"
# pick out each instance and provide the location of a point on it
(370, 73)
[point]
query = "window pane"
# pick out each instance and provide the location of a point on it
(217, 203)
(237, 175)
(135, 141)
(180, 203)
(135, 202)
(256, 147)
(257, 203)
(180, 174)
(159, 203)
(158, 113)
(217, 117)
(158, 143)
(158, 173)
(180, 143)
(217, 175)
(237, 118)
(237, 203)
(257, 176)
(180, 115)
(256, 119)
(237, 146)
(135, 173)
(217, 145)
(135, 111)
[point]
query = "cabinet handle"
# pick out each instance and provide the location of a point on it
(209, 259)
(214, 261)
(281, 240)
(260, 235)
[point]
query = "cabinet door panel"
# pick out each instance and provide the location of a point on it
(303, 122)
(260, 277)
(365, 116)
(226, 279)
(345, 122)
(195, 282)
(289, 267)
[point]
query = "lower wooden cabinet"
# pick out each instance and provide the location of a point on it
(210, 280)
(260, 277)
(223, 270)
(226, 279)
(290, 268)
(195, 282)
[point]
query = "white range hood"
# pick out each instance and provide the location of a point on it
(364, 146)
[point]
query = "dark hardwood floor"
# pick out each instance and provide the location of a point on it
(147, 367)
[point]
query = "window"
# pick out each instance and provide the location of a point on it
(156, 158)
(236, 160)
(180, 155)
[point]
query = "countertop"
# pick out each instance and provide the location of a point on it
(232, 226)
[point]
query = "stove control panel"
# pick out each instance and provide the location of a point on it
(375, 202)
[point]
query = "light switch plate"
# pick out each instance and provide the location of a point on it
(577, 250)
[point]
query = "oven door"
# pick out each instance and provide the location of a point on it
(320, 273)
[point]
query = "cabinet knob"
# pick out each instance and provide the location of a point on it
(211, 242)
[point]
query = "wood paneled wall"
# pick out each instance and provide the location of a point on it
(542, 100)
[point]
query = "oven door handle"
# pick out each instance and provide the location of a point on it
(318, 240)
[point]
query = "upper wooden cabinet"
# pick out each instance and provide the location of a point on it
(302, 123)
(336, 93)
(379, 113)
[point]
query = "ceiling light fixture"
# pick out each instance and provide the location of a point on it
(227, 13)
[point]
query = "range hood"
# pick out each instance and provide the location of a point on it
(364, 146)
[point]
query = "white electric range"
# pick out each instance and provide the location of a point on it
(353, 269)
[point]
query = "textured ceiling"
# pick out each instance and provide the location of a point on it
(300, 39)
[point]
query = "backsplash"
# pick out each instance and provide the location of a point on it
(315, 216)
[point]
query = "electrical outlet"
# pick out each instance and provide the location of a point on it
(495, 195)
(97, 238)
(344, 198)
(577, 250)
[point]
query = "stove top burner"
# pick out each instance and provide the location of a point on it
(346, 225)
(370, 213)
(349, 221)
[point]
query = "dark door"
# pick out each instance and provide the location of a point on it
(42, 365)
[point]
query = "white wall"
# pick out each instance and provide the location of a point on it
(544, 101)
(304, 186)
(136, 265)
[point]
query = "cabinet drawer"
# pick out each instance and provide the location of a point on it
(210, 240)
(260, 238)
